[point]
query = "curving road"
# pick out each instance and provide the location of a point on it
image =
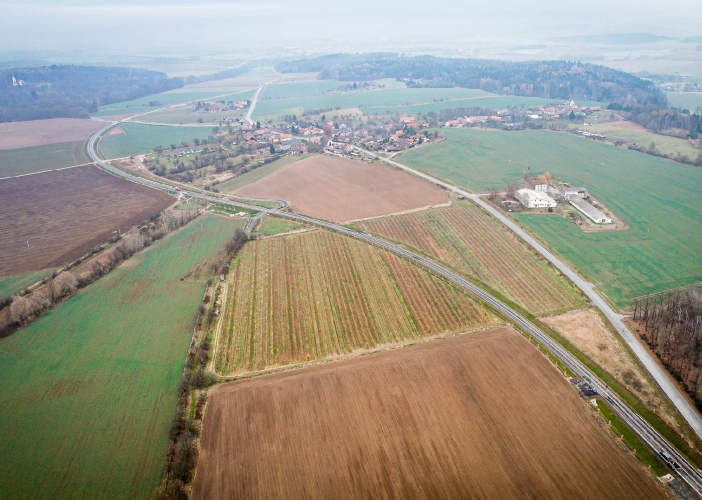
(643, 429)
(688, 413)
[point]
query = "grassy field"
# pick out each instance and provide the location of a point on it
(259, 173)
(688, 100)
(631, 132)
(11, 284)
(40, 158)
(478, 416)
(89, 389)
(139, 139)
(657, 198)
(298, 89)
(188, 115)
(476, 245)
(389, 97)
(311, 295)
(275, 225)
(404, 100)
(490, 101)
(178, 96)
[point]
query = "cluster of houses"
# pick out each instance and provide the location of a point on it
(575, 196)
(219, 106)
(558, 110)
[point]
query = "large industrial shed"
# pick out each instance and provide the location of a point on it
(535, 199)
(589, 210)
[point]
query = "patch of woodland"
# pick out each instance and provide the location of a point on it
(184, 434)
(558, 80)
(69, 91)
(23, 308)
(671, 324)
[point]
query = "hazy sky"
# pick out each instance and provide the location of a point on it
(197, 27)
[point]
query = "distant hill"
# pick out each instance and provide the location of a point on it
(550, 79)
(63, 91)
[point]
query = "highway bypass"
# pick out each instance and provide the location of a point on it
(686, 471)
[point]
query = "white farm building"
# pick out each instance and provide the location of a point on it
(594, 214)
(535, 199)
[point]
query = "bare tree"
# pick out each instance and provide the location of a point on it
(512, 189)
(64, 285)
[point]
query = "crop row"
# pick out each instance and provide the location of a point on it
(312, 295)
(467, 239)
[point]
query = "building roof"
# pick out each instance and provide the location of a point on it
(588, 209)
(535, 195)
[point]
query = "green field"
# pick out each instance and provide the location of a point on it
(659, 200)
(355, 99)
(252, 176)
(403, 100)
(140, 139)
(641, 137)
(11, 284)
(298, 89)
(274, 225)
(166, 99)
(89, 389)
(188, 115)
(689, 100)
(40, 158)
(489, 101)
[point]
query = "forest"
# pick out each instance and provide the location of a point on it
(550, 79)
(67, 91)
(671, 324)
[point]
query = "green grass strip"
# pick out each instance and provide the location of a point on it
(642, 451)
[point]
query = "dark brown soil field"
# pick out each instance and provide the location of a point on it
(342, 190)
(481, 415)
(15, 135)
(65, 213)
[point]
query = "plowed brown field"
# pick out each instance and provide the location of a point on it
(476, 416)
(475, 244)
(312, 295)
(342, 190)
(15, 135)
(65, 213)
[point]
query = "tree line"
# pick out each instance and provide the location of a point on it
(562, 80)
(24, 308)
(671, 324)
(183, 449)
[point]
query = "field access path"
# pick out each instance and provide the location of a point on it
(588, 288)
(641, 427)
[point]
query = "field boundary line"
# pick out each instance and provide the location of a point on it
(359, 353)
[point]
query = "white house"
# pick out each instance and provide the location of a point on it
(535, 199)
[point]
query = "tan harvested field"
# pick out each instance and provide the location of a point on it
(313, 295)
(482, 416)
(342, 190)
(14, 135)
(63, 214)
(586, 330)
(475, 244)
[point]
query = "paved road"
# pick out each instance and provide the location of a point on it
(254, 100)
(643, 429)
(688, 413)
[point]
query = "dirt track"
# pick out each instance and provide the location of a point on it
(40, 132)
(477, 416)
(342, 190)
(65, 213)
